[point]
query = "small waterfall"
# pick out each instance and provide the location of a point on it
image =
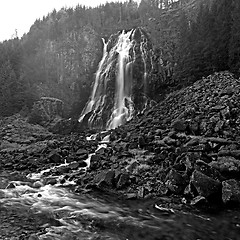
(121, 81)
(94, 99)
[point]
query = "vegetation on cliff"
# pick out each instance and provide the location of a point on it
(60, 54)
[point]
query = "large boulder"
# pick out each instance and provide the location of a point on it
(105, 179)
(46, 110)
(205, 186)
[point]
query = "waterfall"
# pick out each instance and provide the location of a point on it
(121, 81)
(123, 105)
(94, 99)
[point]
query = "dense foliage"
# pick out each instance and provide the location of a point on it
(59, 55)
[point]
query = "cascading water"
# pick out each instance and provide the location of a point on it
(123, 106)
(121, 81)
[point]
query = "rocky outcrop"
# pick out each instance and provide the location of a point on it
(46, 110)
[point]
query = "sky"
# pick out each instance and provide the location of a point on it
(19, 15)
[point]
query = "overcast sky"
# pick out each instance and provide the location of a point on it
(21, 14)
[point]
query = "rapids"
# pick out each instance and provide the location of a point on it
(98, 216)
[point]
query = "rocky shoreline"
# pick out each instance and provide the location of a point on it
(187, 146)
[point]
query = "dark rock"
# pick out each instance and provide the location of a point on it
(74, 165)
(61, 170)
(82, 164)
(205, 186)
(105, 179)
(82, 152)
(231, 191)
(123, 180)
(10, 186)
(54, 157)
(175, 182)
(95, 161)
(141, 142)
(206, 169)
(51, 181)
(179, 125)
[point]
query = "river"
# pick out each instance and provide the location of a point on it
(64, 215)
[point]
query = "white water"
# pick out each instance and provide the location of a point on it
(95, 99)
(123, 108)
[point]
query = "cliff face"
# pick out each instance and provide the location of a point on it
(62, 67)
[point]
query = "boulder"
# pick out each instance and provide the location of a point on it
(54, 157)
(205, 186)
(105, 179)
(45, 110)
(175, 182)
(179, 125)
(231, 191)
(227, 165)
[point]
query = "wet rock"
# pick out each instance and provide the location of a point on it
(123, 181)
(105, 179)
(199, 201)
(82, 164)
(175, 182)
(231, 191)
(205, 186)
(74, 165)
(61, 170)
(131, 196)
(10, 186)
(37, 184)
(54, 157)
(51, 181)
(95, 161)
(82, 153)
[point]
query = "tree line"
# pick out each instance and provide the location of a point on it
(191, 38)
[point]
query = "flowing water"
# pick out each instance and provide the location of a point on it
(71, 216)
(116, 65)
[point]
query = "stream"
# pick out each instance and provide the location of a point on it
(71, 216)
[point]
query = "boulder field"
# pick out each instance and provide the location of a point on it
(187, 145)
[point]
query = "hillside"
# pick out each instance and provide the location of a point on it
(60, 54)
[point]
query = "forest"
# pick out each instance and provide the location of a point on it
(59, 55)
